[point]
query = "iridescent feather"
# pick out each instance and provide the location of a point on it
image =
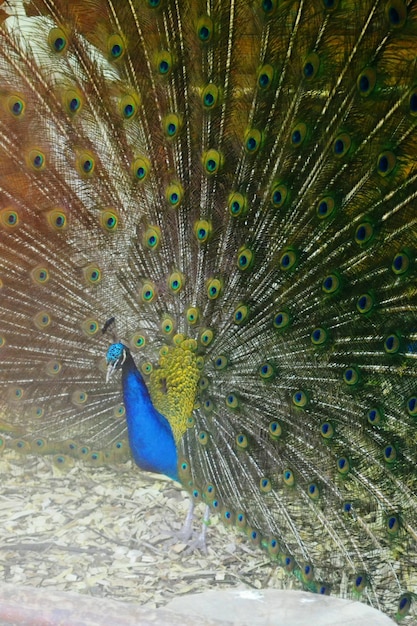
(235, 183)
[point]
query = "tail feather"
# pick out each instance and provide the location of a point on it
(240, 177)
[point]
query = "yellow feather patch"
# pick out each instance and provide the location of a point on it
(173, 385)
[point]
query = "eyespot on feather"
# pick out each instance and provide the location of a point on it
(253, 141)
(73, 101)
(298, 134)
(140, 168)
(109, 220)
(176, 282)
(15, 105)
(92, 274)
(90, 327)
(206, 337)
(129, 106)
(152, 237)
(174, 194)
(366, 82)
(79, 398)
(279, 195)
(40, 275)
(210, 96)
(167, 325)
(42, 320)
(202, 230)
(148, 292)
(172, 126)
(58, 40)
(205, 29)
(116, 47)
(241, 314)
(57, 219)
(311, 66)
(212, 162)
(265, 77)
(237, 205)
(35, 160)
(9, 218)
(164, 63)
(396, 13)
(85, 164)
(214, 288)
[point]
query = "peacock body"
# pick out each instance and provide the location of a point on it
(234, 183)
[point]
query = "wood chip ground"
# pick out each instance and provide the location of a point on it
(108, 532)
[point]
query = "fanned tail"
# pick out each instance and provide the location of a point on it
(235, 180)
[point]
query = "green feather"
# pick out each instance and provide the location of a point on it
(235, 183)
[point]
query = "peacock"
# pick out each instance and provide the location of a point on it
(215, 203)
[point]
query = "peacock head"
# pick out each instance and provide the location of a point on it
(116, 356)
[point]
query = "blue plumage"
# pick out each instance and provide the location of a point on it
(150, 435)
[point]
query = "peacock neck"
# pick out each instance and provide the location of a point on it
(150, 435)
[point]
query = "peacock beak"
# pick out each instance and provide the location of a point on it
(111, 368)
(115, 365)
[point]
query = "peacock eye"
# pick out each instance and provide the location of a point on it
(212, 162)
(115, 47)
(164, 63)
(237, 205)
(253, 141)
(279, 195)
(214, 288)
(58, 40)
(210, 96)
(265, 77)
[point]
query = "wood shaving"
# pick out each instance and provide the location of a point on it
(110, 532)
